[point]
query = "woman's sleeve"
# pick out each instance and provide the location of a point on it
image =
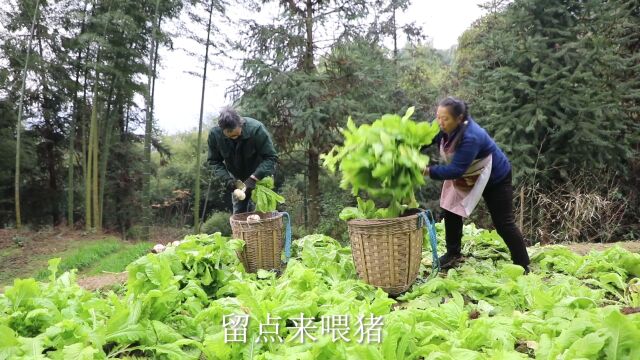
(466, 152)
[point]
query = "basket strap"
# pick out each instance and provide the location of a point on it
(287, 237)
(430, 223)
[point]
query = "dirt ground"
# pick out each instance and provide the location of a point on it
(27, 252)
(102, 281)
(585, 248)
(42, 244)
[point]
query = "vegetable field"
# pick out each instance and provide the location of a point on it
(194, 301)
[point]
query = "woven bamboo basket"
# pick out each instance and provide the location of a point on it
(263, 240)
(387, 252)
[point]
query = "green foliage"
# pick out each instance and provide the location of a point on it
(217, 222)
(134, 232)
(7, 161)
(177, 169)
(333, 202)
(548, 79)
(118, 261)
(264, 197)
(422, 78)
(84, 256)
(175, 175)
(365, 210)
(552, 82)
(355, 78)
(384, 160)
(208, 261)
(305, 97)
(103, 48)
(570, 306)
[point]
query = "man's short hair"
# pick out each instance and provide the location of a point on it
(229, 119)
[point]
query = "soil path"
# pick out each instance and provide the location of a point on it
(102, 281)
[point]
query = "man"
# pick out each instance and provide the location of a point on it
(241, 152)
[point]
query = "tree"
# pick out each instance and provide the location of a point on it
(386, 24)
(122, 51)
(149, 125)
(84, 70)
(210, 7)
(282, 84)
(77, 111)
(422, 78)
(541, 74)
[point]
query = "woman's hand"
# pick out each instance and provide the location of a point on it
(425, 172)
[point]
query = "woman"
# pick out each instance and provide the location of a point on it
(474, 167)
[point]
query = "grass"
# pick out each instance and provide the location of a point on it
(90, 255)
(108, 255)
(118, 261)
(83, 257)
(8, 252)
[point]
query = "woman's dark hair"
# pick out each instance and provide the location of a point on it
(229, 119)
(456, 106)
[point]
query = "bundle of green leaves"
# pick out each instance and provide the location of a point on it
(264, 197)
(383, 159)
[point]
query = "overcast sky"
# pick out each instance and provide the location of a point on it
(177, 97)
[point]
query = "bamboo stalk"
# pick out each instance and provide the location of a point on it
(19, 125)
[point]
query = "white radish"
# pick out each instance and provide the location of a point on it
(176, 243)
(239, 194)
(253, 218)
(158, 248)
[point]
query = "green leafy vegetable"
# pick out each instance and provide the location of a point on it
(264, 197)
(384, 160)
(569, 307)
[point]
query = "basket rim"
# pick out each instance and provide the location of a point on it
(381, 222)
(235, 218)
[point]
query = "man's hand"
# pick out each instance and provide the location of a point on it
(230, 185)
(250, 183)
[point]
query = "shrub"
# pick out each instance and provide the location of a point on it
(217, 222)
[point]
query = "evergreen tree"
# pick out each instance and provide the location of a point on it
(304, 96)
(546, 82)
